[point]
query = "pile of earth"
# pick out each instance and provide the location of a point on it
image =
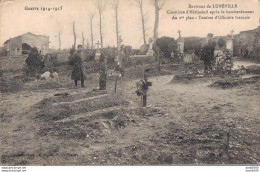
(253, 69)
(64, 106)
(185, 78)
(86, 114)
(234, 82)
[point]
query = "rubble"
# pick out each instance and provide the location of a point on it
(46, 75)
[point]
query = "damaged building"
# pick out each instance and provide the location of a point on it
(250, 43)
(23, 43)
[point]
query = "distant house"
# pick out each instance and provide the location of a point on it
(23, 43)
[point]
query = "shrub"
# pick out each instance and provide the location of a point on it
(136, 51)
(34, 65)
(166, 45)
(192, 43)
(89, 54)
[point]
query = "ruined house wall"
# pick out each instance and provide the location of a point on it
(250, 43)
(38, 41)
(14, 46)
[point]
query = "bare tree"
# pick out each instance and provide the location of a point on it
(101, 5)
(83, 40)
(158, 5)
(115, 5)
(144, 18)
(59, 35)
(91, 16)
(75, 36)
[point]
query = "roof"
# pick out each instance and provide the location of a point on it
(28, 33)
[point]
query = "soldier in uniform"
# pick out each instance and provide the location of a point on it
(207, 54)
(78, 68)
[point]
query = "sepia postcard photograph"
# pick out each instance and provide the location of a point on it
(129, 83)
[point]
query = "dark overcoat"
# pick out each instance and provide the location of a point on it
(207, 53)
(78, 72)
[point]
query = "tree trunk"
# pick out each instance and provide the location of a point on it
(117, 32)
(75, 37)
(91, 32)
(143, 26)
(59, 41)
(83, 40)
(156, 23)
(100, 29)
(159, 58)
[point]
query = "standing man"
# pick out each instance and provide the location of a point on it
(78, 68)
(207, 54)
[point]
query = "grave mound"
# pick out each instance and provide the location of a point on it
(80, 116)
(185, 78)
(234, 82)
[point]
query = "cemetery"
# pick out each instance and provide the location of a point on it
(125, 124)
(173, 101)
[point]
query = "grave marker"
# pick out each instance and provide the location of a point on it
(180, 43)
(150, 51)
(229, 44)
(142, 88)
(98, 53)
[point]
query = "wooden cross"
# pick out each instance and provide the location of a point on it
(179, 33)
(98, 44)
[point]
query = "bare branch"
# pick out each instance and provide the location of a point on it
(75, 37)
(91, 16)
(158, 5)
(138, 3)
(101, 5)
(162, 3)
(144, 18)
(115, 4)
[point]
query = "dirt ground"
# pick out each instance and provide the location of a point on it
(184, 123)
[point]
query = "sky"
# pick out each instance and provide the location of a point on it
(15, 20)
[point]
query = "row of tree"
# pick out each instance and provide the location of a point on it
(101, 6)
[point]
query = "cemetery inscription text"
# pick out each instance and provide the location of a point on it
(211, 12)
